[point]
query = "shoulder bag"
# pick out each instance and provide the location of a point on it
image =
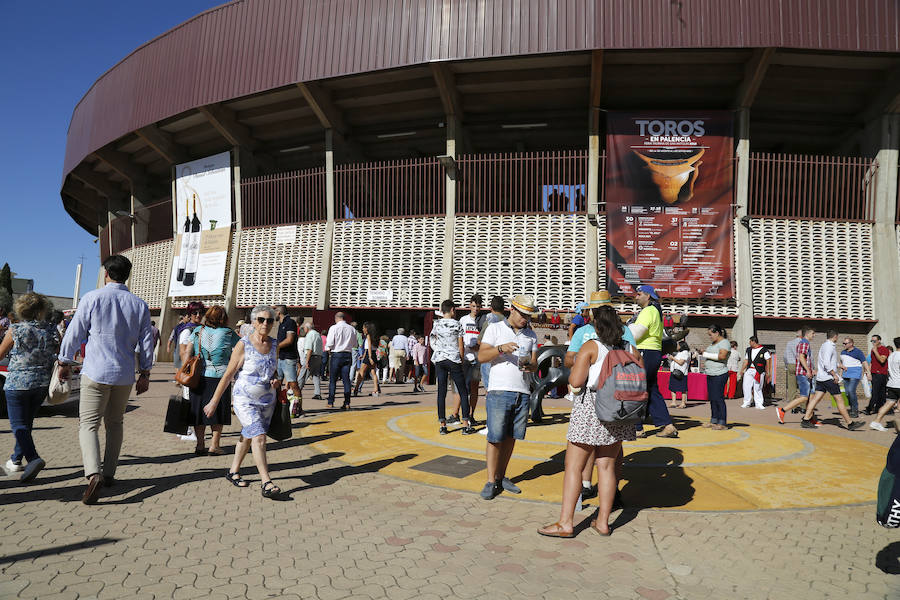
(189, 374)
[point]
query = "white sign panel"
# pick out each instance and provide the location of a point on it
(379, 295)
(286, 234)
(203, 233)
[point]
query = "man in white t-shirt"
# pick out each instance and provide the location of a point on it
(471, 368)
(510, 346)
(755, 372)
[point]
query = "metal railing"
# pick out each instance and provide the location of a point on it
(525, 182)
(284, 198)
(797, 186)
(153, 223)
(411, 187)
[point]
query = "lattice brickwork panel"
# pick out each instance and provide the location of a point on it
(286, 272)
(150, 265)
(218, 299)
(541, 255)
(396, 258)
(727, 308)
(812, 269)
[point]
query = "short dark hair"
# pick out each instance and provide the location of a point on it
(446, 306)
(498, 304)
(195, 307)
(716, 328)
(876, 336)
(897, 342)
(754, 339)
(477, 299)
(831, 333)
(118, 268)
(153, 323)
(806, 329)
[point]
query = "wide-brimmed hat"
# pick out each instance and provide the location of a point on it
(524, 304)
(649, 290)
(599, 299)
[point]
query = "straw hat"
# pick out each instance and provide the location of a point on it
(598, 299)
(524, 304)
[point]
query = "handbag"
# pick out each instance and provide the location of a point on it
(58, 392)
(677, 374)
(280, 426)
(178, 415)
(189, 374)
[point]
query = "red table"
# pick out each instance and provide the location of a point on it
(696, 386)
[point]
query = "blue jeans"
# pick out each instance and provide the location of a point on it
(22, 406)
(507, 415)
(443, 369)
(850, 387)
(340, 367)
(715, 392)
(659, 414)
(485, 374)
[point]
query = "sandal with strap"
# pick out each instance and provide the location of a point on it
(557, 533)
(236, 480)
(270, 490)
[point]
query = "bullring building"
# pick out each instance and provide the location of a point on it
(382, 155)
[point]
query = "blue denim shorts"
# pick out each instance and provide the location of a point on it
(287, 369)
(507, 415)
(803, 385)
(485, 369)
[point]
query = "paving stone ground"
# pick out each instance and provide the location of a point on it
(174, 528)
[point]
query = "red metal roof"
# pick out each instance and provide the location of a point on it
(250, 46)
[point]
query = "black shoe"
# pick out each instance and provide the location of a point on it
(807, 424)
(452, 419)
(854, 425)
(588, 492)
(854, 414)
(468, 430)
(108, 481)
(443, 430)
(317, 397)
(345, 406)
(868, 411)
(797, 410)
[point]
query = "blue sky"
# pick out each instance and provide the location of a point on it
(52, 52)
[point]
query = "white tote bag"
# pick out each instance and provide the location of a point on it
(58, 392)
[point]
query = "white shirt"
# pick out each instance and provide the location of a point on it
(505, 373)
(893, 365)
(341, 338)
(826, 362)
(399, 342)
(684, 355)
(734, 360)
(470, 336)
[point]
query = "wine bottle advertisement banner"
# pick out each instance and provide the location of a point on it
(203, 231)
(669, 191)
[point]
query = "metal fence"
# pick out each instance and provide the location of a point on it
(153, 223)
(525, 182)
(797, 186)
(284, 198)
(397, 188)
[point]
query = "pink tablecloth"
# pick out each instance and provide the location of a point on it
(696, 386)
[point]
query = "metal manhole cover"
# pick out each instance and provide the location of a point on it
(451, 466)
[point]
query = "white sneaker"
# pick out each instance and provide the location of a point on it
(874, 425)
(13, 467)
(568, 397)
(745, 406)
(760, 408)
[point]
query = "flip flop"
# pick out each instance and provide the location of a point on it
(216, 451)
(559, 533)
(597, 531)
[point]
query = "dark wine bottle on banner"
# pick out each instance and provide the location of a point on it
(193, 254)
(185, 242)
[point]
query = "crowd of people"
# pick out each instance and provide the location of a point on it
(244, 370)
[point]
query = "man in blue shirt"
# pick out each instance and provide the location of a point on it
(114, 323)
(853, 365)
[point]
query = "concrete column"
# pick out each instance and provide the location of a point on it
(453, 129)
(323, 297)
(591, 254)
(884, 237)
(231, 287)
(744, 326)
(168, 317)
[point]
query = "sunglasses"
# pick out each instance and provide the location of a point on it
(262, 320)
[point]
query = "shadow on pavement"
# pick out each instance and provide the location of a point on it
(553, 465)
(888, 559)
(656, 479)
(329, 476)
(56, 550)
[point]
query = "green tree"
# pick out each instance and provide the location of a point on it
(6, 297)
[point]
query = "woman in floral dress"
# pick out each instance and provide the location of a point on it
(253, 396)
